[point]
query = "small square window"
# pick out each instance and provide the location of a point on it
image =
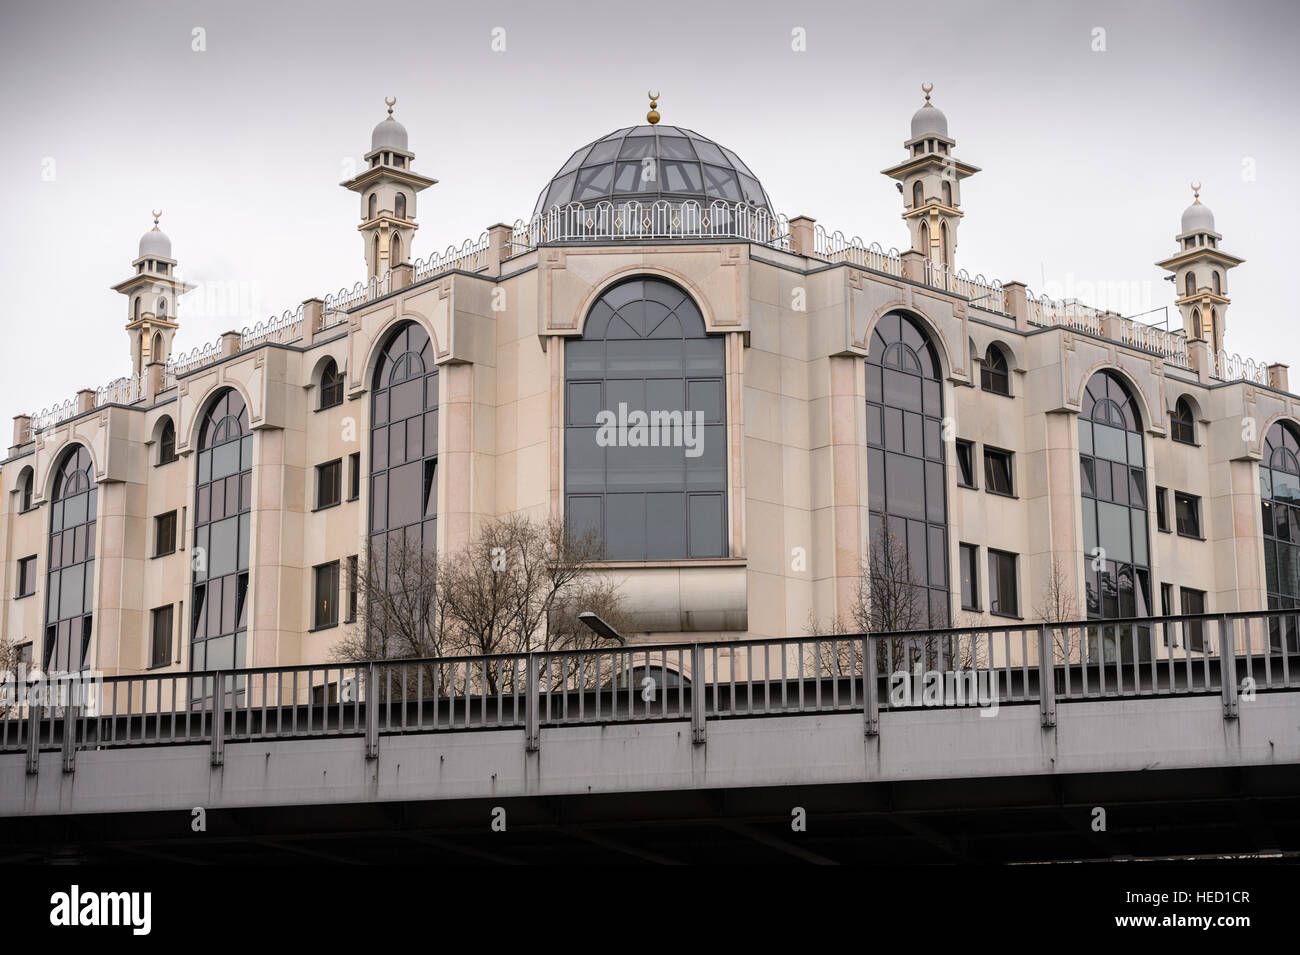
(1187, 512)
(997, 472)
(965, 464)
(326, 596)
(27, 576)
(329, 483)
(164, 534)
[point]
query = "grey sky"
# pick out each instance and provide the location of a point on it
(1086, 155)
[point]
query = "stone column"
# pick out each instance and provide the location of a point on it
(803, 235)
(1017, 296)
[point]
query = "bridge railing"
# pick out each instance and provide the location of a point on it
(1232, 655)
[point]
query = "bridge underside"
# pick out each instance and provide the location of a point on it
(1008, 819)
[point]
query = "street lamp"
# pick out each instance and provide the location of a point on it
(600, 628)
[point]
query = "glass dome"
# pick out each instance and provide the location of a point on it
(688, 166)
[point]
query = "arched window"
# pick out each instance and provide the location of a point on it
(372, 206)
(376, 246)
(947, 193)
(135, 309)
(331, 386)
(943, 244)
(1216, 283)
(156, 351)
(994, 375)
(906, 486)
(1214, 327)
(1196, 323)
(167, 442)
(399, 205)
(222, 504)
(1181, 425)
(1189, 284)
(70, 587)
(1279, 491)
(645, 461)
(918, 194)
(925, 239)
(1113, 481)
(395, 250)
(26, 488)
(404, 453)
(162, 308)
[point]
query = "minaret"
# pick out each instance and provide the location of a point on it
(388, 189)
(151, 295)
(1200, 274)
(930, 181)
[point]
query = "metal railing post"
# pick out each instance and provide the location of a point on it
(870, 688)
(33, 736)
(70, 738)
(1228, 666)
(697, 694)
(218, 719)
(532, 700)
(1046, 678)
(372, 711)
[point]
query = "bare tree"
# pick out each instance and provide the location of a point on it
(1057, 605)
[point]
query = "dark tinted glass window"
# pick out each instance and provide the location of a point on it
(970, 581)
(1116, 560)
(994, 375)
(329, 483)
(1181, 426)
(645, 454)
(71, 566)
(27, 576)
(1162, 513)
(1193, 601)
(997, 471)
(1004, 598)
(331, 386)
(326, 602)
(223, 502)
(1279, 480)
(167, 443)
(160, 652)
(965, 463)
(164, 534)
(354, 476)
(907, 492)
(1187, 512)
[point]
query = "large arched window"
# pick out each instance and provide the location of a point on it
(994, 375)
(1113, 480)
(1182, 425)
(1279, 491)
(645, 461)
(906, 486)
(222, 503)
(70, 588)
(404, 445)
(1196, 324)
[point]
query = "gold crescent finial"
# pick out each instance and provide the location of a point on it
(653, 116)
(927, 89)
(157, 214)
(1196, 193)
(390, 101)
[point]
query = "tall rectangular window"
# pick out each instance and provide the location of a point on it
(326, 613)
(1162, 509)
(27, 576)
(997, 472)
(965, 464)
(353, 587)
(329, 483)
(1004, 599)
(1187, 511)
(1193, 601)
(160, 652)
(164, 541)
(354, 476)
(970, 581)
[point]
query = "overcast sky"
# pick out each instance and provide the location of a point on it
(109, 111)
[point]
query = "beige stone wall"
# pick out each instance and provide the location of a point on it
(796, 331)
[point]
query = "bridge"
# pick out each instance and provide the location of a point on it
(1141, 738)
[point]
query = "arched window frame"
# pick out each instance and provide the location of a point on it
(1182, 423)
(1189, 283)
(947, 193)
(399, 205)
(331, 386)
(1216, 282)
(70, 564)
(372, 206)
(995, 373)
(1279, 491)
(167, 443)
(26, 489)
(918, 194)
(645, 348)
